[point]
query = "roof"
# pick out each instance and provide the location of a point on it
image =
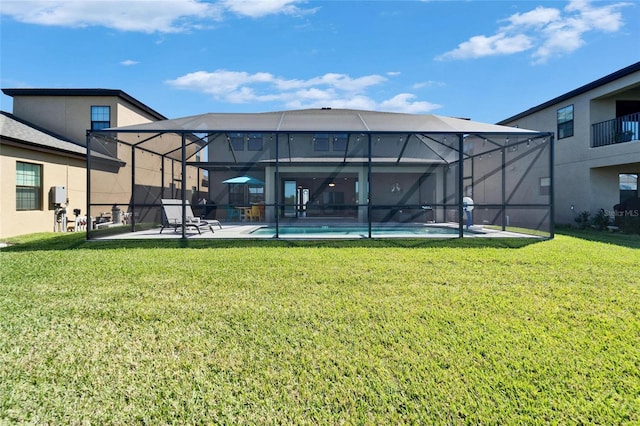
(86, 92)
(580, 90)
(19, 130)
(323, 120)
(27, 134)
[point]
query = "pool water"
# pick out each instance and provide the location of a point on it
(355, 231)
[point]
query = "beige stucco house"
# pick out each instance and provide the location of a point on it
(597, 150)
(32, 161)
(43, 145)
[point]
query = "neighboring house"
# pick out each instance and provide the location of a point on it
(71, 112)
(597, 155)
(32, 161)
(44, 146)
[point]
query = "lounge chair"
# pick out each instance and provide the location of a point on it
(173, 216)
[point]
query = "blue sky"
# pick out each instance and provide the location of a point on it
(484, 60)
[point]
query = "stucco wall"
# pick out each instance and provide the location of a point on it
(576, 183)
(57, 170)
(70, 116)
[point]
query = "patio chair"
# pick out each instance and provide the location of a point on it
(254, 213)
(173, 215)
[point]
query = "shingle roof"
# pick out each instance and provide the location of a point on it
(18, 130)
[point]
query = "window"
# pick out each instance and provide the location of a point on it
(236, 194)
(28, 186)
(628, 186)
(100, 117)
(236, 141)
(254, 142)
(340, 142)
(256, 194)
(565, 122)
(545, 184)
(321, 142)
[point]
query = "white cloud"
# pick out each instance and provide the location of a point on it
(259, 8)
(429, 83)
(328, 90)
(404, 102)
(147, 16)
(129, 62)
(538, 17)
(480, 46)
(547, 32)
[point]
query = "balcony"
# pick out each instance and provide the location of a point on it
(618, 130)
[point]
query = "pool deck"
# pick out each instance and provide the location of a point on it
(234, 231)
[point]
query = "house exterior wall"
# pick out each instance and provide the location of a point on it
(57, 170)
(70, 116)
(585, 177)
(417, 184)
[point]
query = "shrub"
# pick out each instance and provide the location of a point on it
(628, 215)
(601, 220)
(629, 224)
(582, 219)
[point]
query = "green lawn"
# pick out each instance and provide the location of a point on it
(353, 332)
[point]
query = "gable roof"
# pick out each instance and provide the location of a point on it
(580, 90)
(17, 130)
(86, 92)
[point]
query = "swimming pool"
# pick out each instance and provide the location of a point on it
(337, 231)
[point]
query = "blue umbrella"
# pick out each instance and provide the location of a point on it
(244, 180)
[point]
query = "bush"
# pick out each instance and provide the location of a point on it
(582, 219)
(628, 215)
(601, 220)
(629, 224)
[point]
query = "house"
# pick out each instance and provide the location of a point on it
(597, 150)
(33, 160)
(43, 149)
(318, 167)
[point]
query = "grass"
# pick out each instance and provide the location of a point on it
(356, 332)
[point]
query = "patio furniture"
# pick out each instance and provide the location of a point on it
(243, 213)
(254, 213)
(232, 213)
(173, 215)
